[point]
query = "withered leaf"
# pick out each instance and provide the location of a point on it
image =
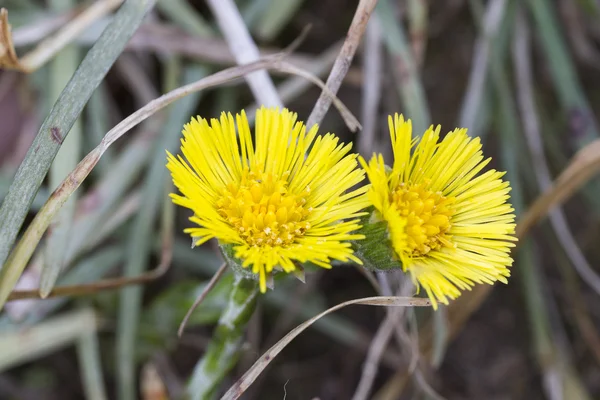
(8, 56)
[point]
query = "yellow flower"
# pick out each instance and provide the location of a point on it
(449, 226)
(280, 200)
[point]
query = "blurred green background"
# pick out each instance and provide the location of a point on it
(521, 74)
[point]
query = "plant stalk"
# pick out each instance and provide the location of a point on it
(223, 351)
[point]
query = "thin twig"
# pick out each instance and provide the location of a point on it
(378, 345)
(244, 49)
(371, 89)
(213, 281)
(522, 54)
(295, 86)
(581, 168)
(46, 49)
(370, 277)
(403, 339)
(113, 283)
(342, 63)
(349, 119)
(480, 62)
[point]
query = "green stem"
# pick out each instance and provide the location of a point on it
(224, 349)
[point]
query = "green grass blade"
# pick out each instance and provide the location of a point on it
(88, 352)
(570, 92)
(409, 82)
(16, 347)
(140, 239)
(62, 68)
(186, 17)
(98, 120)
(276, 17)
(66, 110)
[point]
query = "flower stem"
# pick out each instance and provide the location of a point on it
(224, 349)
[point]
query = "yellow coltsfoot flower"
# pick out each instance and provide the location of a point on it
(447, 226)
(278, 199)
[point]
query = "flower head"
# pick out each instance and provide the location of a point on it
(449, 226)
(277, 200)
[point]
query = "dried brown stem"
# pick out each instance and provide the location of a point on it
(46, 49)
(112, 283)
(211, 284)
(342, 63)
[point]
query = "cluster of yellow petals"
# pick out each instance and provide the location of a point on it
(281, 196)
(285, 196)
(450, 226)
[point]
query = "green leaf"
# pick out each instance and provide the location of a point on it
(375, 250)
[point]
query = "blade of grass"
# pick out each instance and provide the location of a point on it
(531, 124)
(559, 377)
(17, 348)
(100, 205)
(554, 365)
(491, 30)
(88, 352)
(66, 110)
(276, 17)
(140, 238)
(38, 201)
(61, 69)
(117, 282)
(98, 119)
(37, 28)
(580, 117)
(404, 67)
(418, 18)
(568, 87)
(252, 11)
(185, 16)
(120, 214)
